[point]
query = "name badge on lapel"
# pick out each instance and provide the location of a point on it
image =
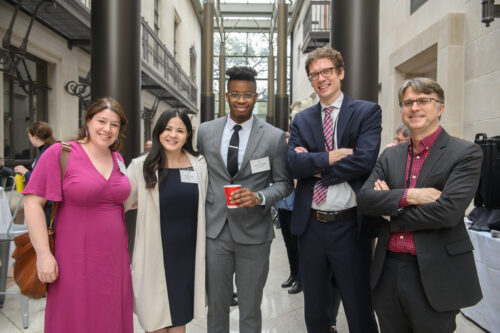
(260, 165)
(122, 167)
(188, 176)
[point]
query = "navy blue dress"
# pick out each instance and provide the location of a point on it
(179, 216)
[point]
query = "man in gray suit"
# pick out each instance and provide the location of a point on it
(423, 270)
(240, 149)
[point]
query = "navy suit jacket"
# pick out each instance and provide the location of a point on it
(358, 127)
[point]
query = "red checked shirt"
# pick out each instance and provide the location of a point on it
(402, 242)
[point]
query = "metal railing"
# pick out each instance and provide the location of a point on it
(317, 18)
(155, 53)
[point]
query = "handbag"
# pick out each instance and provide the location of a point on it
(25, 273)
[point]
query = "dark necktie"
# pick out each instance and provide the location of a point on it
(232, 151)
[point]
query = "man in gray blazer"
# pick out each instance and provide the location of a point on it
(240, 149)
(423, 270)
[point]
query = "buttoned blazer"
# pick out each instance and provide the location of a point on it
(148, 274)
(359, 128)
(248, 225)
(443, 246)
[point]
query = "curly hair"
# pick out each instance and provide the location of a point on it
(242, 73)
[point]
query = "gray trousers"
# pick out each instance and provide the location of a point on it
(250, 265)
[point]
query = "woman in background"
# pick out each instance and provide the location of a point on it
(169, 187)
(40, 136)
(89, 278)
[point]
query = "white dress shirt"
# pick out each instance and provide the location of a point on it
(340, 196)
(244, 134)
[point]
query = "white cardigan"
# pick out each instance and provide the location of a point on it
(148, 273)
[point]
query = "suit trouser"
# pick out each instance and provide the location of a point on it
(291, 241)
(250, 265)
(400, 301)
(331, 251)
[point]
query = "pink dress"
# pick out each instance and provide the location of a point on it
(93, 293)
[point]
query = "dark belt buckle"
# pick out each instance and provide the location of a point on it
(322, 217)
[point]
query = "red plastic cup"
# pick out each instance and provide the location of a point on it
(230, 189)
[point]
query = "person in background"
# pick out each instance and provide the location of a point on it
(147, 146)
(423, 270)
(169, 187)
(90, 288)
(285, 209)
(402, 135)
(40, 136)
(5, 173)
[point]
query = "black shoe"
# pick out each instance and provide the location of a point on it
(296, 288)
(288, 283)
(234, 300)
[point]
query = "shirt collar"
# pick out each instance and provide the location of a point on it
(427, 142)
(336, 104)
(244, 125)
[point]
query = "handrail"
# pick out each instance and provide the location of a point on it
(317, 18)
(155, 53)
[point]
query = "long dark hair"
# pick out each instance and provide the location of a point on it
(156, 157)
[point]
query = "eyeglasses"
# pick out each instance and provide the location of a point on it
(327, 72)
(245, 95)
(422, 101)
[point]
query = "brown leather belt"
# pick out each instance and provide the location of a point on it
(332, 216)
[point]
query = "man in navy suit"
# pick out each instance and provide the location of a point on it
(332, 149)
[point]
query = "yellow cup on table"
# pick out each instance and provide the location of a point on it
(19, 183)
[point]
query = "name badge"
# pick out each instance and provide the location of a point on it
(188, 176)
(260, 165)
(122, 167)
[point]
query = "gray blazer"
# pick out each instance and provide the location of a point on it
(248, 225)
(444, 250)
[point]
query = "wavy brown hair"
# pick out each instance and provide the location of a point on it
(98, 106)
(43, 131)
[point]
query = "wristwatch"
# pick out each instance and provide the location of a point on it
(260, 197)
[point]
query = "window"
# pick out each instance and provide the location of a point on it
(157, 17)
(177, 23)
(192, 63)
(416, 4)
(25, 101)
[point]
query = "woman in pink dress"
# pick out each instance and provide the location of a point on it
(89, 275)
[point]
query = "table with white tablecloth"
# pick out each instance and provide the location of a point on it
(487, 256)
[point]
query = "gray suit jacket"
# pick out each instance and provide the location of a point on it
(444, 250)
(248, 225)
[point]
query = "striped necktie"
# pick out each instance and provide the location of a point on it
(320, 190)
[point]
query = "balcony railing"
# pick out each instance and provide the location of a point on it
(155, 53)
(316, 25)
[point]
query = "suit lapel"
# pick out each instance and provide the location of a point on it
(317, 128)
(253, 140)
(344, 115)
(435, 154)
(217, 138)
(400, 158)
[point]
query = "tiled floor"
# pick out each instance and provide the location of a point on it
(281, 312)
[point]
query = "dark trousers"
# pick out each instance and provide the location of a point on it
(329, 253)
(400, 301)
(291, 241)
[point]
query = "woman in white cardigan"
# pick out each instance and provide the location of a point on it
(169, 187)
